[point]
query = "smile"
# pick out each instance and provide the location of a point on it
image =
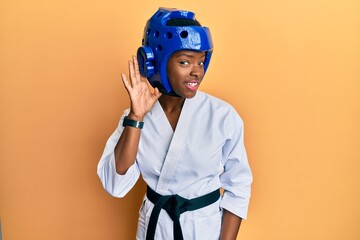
(192, 84)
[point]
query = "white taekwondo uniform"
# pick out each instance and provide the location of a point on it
(204, 153)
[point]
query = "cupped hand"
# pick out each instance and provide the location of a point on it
(142, 98)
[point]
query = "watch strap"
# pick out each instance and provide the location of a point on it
(132, 123)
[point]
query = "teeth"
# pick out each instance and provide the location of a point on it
(192, 84)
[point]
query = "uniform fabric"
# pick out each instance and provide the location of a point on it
(206, 152)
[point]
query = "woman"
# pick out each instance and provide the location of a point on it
(184, 143)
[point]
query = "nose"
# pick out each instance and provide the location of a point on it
(197, 71)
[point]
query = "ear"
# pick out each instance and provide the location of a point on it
(145, 57)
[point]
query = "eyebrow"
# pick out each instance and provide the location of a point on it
(188, 55)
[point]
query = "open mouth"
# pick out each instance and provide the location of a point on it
(192, 84)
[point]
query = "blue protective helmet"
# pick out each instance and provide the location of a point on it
(161, 41)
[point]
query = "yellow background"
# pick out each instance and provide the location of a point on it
(291, 69)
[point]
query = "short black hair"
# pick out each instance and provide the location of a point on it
(182, 22)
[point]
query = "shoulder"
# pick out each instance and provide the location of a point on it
(211, 100)
(218, 108)
(216, 103)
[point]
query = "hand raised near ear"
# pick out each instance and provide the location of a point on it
(142, 98)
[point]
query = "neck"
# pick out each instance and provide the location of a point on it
(171, 103)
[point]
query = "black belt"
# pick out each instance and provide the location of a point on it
(175, 205)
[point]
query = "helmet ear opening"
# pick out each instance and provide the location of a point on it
(145, 57)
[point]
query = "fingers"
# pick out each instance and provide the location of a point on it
(157, 93)
(136, 67)
(134, 71)
(132, 75)
(125, 82)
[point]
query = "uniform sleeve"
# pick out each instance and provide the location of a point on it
(237, 177)
(115, 184)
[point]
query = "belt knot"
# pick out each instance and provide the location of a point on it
(175, 206)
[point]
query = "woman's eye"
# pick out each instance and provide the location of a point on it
(184, 62)
(201, 63)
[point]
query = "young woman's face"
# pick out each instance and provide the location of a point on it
(185, 71)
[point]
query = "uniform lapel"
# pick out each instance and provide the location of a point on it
(162, 122)
(177, 143)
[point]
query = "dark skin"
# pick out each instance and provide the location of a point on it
(173, 110)
(185, 73)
